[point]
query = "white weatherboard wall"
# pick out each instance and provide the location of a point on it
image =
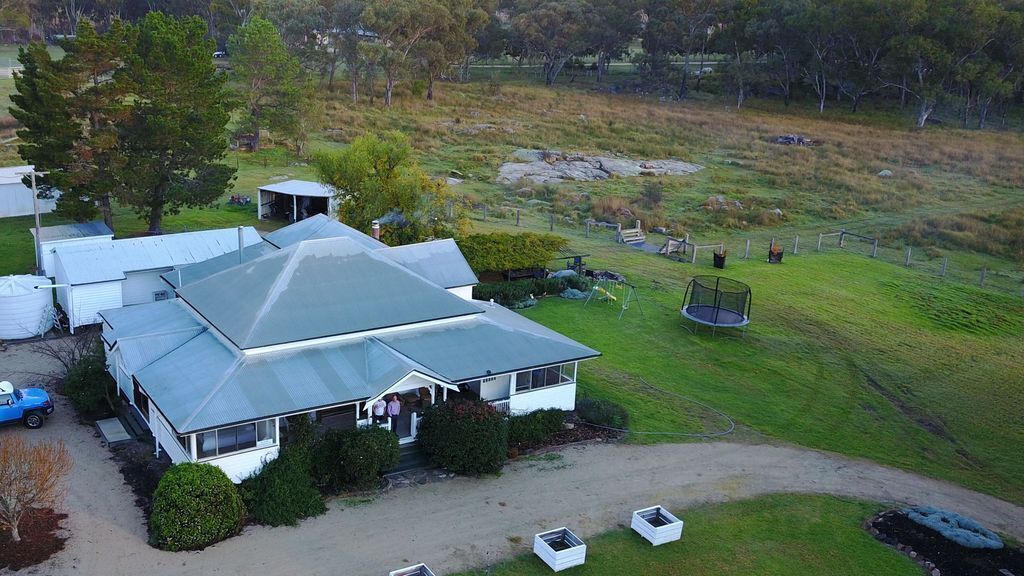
(83, 302)
(496, 389)
(168, 440)
(141, 287)
(562, 396)
(241, 465)
(464, 292)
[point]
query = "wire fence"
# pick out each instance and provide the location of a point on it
(941, 265)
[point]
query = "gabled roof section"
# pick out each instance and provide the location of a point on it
(162, 317)
(439, 261)
(196, 272)
(315, 289)
(105, 262)
(319, 226)
(224, 388)
(141, 351)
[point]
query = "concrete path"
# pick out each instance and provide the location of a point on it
(466, 522)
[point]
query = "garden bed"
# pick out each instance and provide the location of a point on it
(140, 470)
(560, 549)
(39, 540)
(935, 552)
(579, 432)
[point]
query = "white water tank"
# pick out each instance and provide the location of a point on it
(25, 310)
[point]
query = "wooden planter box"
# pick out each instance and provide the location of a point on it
(560, 549)
(417, 570)
(657, 525)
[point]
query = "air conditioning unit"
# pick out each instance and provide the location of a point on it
(161, 295)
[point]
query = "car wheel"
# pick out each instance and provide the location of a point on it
(33, 420)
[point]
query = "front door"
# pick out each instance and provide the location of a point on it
(401, 425)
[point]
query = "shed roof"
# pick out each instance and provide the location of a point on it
(72, 231)
(300, 188)
(319, 226)
(91, 263)
(315, 289)
(439, 261)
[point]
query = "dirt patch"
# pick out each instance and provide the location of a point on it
(39, 540)
(935, 552)
(141, 470)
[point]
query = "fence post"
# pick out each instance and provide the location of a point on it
(588, 225)
(517, 217)
(984, 272)
(842, 238)
(874, 248)
(485, 212)
(746, 253)
(694, 259)
(796, 244)
(819, 242)
(945, 260)
(551, 222)
(906, 261)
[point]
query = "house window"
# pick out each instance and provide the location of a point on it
(541, 377)
(237, 438)
(184, 441)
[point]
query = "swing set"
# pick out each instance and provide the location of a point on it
(605, 289)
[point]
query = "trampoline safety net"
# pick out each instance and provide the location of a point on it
(717, 301)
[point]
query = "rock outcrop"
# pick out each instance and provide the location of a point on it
(552, 167)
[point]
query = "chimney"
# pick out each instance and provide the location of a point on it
(241, 243)
(375, 229)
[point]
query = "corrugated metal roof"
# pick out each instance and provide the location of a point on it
(71, 231)
(486, 345)
(319, 226)
(141, 351)
(314, 289)
(198, 271)
(225, 388)
(300, 188)
(439, 261)
(162, 317)
(109, 261)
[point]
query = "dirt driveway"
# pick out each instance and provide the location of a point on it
(472, 522)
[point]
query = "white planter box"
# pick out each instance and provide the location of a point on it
(560, 549)
(657, 525)
(417, 570)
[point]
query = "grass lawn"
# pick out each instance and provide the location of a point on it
(774, 535)
(843, 353)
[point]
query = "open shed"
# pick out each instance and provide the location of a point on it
(16, 198)
(295, 200)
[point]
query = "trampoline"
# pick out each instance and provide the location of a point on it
(717, 302)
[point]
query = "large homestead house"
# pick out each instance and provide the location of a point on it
(319, 320)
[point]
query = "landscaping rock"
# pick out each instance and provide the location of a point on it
(885, 174)
(794, 140)
(552, 167)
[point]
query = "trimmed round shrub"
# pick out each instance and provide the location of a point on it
(194, 506)
(353, 458)
(465, 437)
(532, 429)
(602, 413)
(282, 492)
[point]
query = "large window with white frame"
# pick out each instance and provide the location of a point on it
(222, 441)
(543, 377)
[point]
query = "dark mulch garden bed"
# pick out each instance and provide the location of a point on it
(39, 540)
(579, 432)
(934, 551)
(141, 470)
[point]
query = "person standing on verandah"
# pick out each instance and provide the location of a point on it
(394, 409)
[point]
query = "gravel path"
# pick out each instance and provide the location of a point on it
(464, 522)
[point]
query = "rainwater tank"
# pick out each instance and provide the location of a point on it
(25, 310)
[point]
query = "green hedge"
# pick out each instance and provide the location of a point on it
(194, 506)
(282, 492)
(530, 430)
(353, 458)
(510, 293)
(602, 413)
(87, 382)
(465, 437)
(499, 251)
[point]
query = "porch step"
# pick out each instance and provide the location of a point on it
(410, 457)
(134, 425)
